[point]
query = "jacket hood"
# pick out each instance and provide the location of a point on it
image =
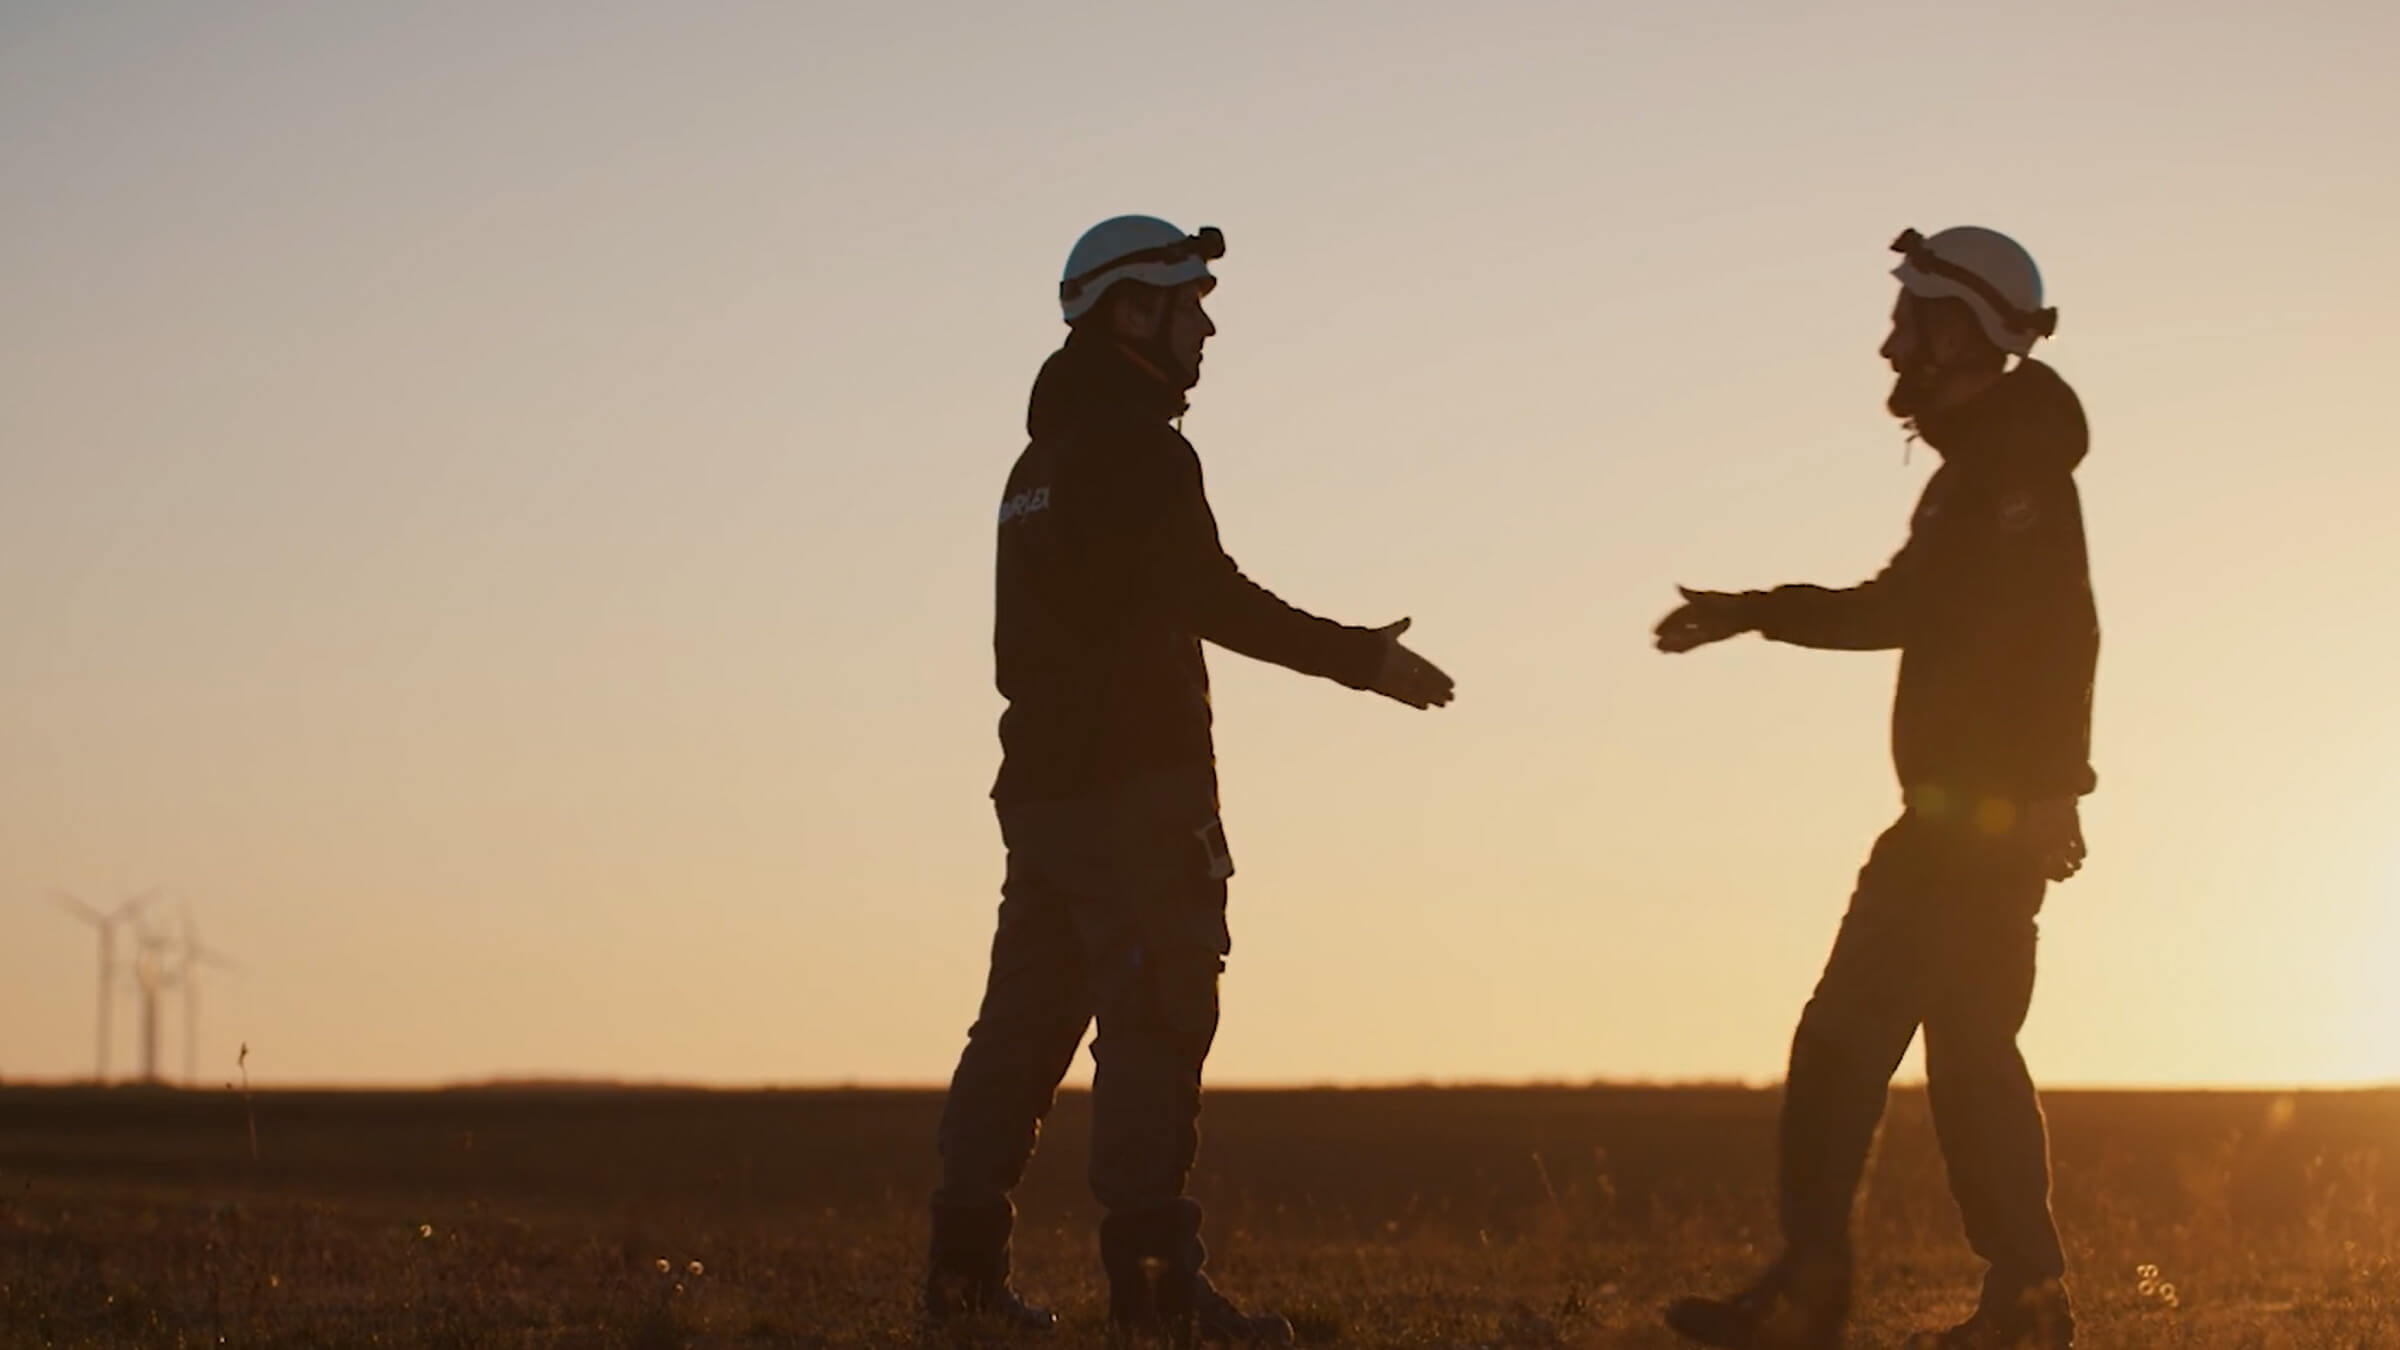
(2030, 412)
(1092, 379)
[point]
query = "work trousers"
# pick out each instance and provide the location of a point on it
(1113, 911)
(1940, 934)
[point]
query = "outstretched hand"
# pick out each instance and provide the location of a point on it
(1703, 617)
(1406, 677)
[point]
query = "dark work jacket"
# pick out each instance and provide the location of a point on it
(1990, 604)
(1110, 574)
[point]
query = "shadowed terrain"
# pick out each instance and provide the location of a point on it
(1463, 1216)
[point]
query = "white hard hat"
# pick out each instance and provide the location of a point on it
(1990, 271)
(1135, 248)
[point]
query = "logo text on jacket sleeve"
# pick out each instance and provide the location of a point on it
(1025, 504)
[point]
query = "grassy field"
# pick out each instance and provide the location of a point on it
(1458, 1217)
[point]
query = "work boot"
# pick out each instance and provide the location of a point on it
(1152, 1258)
(1157, 1286)
(1219, 1321)
(966, 1277)
(952, 1300)
(1796, 1305)
(2033, 1316)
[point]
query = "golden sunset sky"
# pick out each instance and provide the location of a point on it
(496, 510)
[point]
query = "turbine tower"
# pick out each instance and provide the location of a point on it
(152, 978)
(163, 965)
(107, 922)
(187, 973)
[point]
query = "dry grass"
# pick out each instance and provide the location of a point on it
(1506, 1217)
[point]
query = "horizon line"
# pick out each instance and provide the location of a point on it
(564, 1083)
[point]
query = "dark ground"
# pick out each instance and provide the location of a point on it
(1521, 1217)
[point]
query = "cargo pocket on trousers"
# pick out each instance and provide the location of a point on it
(1184, 983)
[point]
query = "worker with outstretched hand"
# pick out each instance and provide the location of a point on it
(1111, 576)
(1990, 606)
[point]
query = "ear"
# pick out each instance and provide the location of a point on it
(1135, 312)
(1957, 338)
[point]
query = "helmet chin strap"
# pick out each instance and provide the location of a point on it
(1158, 365)
(1155, 357)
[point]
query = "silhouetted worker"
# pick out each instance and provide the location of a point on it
(1990, 605)
(1110, 575)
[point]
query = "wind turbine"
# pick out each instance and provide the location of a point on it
(187, 973)
(107, 922)
(152, 978)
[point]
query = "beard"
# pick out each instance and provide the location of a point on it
(1915, 389)
(1180, 378)
(1181, 369)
